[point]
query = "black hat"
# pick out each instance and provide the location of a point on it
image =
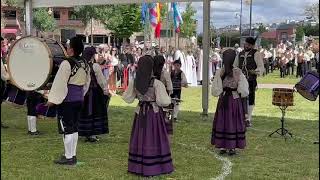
(177, 61)
(251, 40)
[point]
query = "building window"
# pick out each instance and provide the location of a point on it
(56, 14)
(10, 14)
(72, 15)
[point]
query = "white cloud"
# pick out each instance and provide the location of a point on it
(266, 11)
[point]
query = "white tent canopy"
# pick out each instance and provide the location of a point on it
(30, 4)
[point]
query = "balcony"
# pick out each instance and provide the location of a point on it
(69, 23)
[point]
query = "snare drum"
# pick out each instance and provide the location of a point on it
(308, 86)
(33, 62)
(282, 97)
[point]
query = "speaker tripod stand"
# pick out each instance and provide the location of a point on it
(282, 131)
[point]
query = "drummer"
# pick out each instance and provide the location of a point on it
(179, 80)
(4, 78)
(68, 89)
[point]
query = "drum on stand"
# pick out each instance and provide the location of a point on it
(308, 86)
(33, 62)
(283, 98)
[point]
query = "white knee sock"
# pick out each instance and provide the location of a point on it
(250, 111)
(176, 110)
(33, 123)
(29, 125)
(67, 141)
(75, 137)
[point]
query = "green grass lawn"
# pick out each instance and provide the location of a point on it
(274, 78)
(24, 157)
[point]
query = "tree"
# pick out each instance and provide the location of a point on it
(312, 11)
(9, 2)
(299, 33)
(311, 30)
(262, 29)
(43, 21)
(188, 27)
(87, 13)
(125, 20)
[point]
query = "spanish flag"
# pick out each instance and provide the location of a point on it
(158, 27)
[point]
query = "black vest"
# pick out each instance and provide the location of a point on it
(176, 80)
(251, 64)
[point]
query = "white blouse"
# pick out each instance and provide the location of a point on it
(162, 97)
(100, 78)
(166, 80)
(59, 89)
(242, 89)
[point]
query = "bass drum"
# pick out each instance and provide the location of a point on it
(33, 62)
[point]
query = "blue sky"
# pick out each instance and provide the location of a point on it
(223, 12)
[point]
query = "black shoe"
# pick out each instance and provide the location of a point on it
(34, 133)
(4, 126)
(223, 151)
(91, 139)
(248, 123)
(232, 152)
(64, 161)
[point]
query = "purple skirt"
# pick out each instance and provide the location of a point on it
(229, 128)
(149, 149)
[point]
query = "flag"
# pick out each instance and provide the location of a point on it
(158, 27)
(153, 14)
(144, 10)
(177, 19)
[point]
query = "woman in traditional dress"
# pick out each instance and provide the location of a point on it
(94, 115)
(231, 86)
(149, 149)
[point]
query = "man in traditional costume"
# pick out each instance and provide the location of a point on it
(68, 89)
(251, 63)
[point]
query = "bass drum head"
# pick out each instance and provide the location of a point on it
(29, 63)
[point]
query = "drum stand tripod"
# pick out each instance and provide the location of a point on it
(282, 131)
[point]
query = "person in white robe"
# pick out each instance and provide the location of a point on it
(200, 65)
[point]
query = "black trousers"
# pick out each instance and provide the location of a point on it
(176, 93)
(33, 99)
(252, 91)
(283, 70)
(68, 117)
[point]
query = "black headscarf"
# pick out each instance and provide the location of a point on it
(88, 53)
(158, 66)
(144, 74)
(228, 59)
